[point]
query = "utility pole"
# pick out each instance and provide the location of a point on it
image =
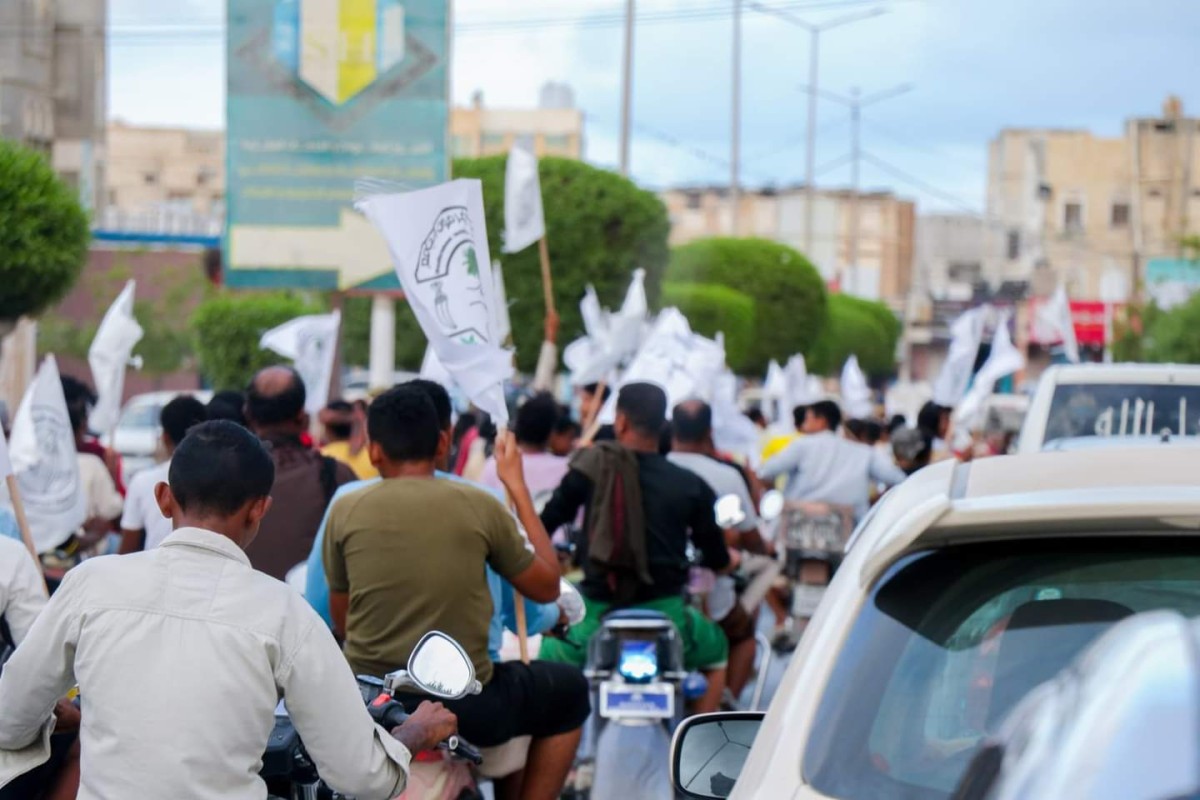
(627, 88)
(736, 133)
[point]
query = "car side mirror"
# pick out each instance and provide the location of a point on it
(728, 511)
(709, 751)
(439, 667)
(771, 505)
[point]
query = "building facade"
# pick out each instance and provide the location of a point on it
(877, 263)
(1092, 212)
(165, 180)
(53, 88)
(555, 128)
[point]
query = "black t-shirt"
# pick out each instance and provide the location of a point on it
(675, 503)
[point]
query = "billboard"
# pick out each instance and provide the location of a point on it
(321, 93)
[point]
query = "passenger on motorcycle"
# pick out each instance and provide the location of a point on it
(182, 653)
(543, 470)
(407, 555)
(648, 567)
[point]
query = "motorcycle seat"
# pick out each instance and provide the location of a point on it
(637, 618)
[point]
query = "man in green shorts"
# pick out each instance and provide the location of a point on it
(641, 529)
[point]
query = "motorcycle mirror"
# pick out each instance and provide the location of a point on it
(571, 602)
(771, 505)
(729, 512)
(440, 667)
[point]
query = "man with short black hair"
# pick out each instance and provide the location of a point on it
(656, 506)
(143, 527)
(533, 426)
(823, 467)
(188, 638)
(565, 436)
(228, 405)
(305, 481)
(339, 419)
(408, 554)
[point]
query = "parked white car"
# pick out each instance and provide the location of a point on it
(965, 588)
(1108, 402)
(137, 433)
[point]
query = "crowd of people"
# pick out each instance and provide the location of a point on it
(406, 519)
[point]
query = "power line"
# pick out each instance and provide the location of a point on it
(918, 183)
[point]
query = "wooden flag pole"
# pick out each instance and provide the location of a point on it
(593, 424)
(14, 492)
(547, 281)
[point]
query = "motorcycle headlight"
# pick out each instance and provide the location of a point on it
(638, 662)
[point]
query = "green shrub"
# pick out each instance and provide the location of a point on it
(788, 293)
(711, 309)
(226, 329)
(858, 327)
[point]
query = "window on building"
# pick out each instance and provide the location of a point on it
(694, 200)
(965, 271)
(150, 178)
(1014, 245)
(558, 143)
(1120, 215)
(1073, 217)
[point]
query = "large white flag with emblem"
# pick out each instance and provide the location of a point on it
(42, 452)
(109, 355)
(437, 238)
(524, 220)
(311, 343)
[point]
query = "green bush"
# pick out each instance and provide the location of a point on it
(1171, 337)
(788, 293)
(711, 309)
(858, 327)
(43, 233)
(226, 329)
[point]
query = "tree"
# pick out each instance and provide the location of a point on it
(1170, 337)
(43, 234)
(599, 226)
(788, 294)
(226, 329)
(858, 327)
(715, 309)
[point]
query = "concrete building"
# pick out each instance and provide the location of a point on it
(955, 254)
(165, 180)
(53, 89)
(1091, 211)
(884, 241)
(555, 127)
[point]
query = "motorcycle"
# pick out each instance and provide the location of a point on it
(811, 539)
(438, 667)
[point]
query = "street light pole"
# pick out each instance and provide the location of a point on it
(855, 152)
(810, 168)
(627, 88)
(736, 132)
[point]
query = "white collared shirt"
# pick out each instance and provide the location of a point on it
(141, 507)
(22, 590)
(827, 468)
(181, 655)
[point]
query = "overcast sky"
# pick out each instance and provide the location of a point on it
(975, 66)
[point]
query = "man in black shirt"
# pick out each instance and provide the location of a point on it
(643, 531)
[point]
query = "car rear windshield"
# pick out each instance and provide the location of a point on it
(951, 639)
(1146, 409)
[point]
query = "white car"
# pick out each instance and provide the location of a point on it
(1108, 402)
(965, 587)
(136, 436)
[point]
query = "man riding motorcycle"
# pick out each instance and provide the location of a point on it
(640, 511)
(182, 653)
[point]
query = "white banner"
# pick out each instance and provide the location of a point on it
(311, 343)
(611, 338)
(524, 220)
(44, 460)
(108, 357)
(1003, 360)
(1056, 315)
(856, 392)
(437, 238)
(965, 336)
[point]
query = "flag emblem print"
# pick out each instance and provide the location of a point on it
(448, 275)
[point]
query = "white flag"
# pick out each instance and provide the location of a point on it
(432, 369)
(856, 392)
(108, 357)
(595, 321)
(1057, 316)
(965, 336)
(799, 387)
(437, 238)
(612, 338)
(733, 432)
(524, 221)
(311, 343)
(45, 462)
(1003, 360)
(501, 323)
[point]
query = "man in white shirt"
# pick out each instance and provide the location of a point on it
(182, 653)
(22, 590)
(823, 467)
(143, 526)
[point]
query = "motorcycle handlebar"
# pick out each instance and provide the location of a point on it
(463, 749)
(390, 714)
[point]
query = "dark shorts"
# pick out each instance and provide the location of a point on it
(539, 699)
(40, 779)
(738, 625)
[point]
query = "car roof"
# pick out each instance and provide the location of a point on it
(1020, 496)
(1123, 373)
(1102, 442)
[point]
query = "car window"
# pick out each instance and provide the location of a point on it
(1123, 410)
(951, 640)
(140, 416)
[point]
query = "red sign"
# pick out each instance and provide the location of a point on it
(1088, 316)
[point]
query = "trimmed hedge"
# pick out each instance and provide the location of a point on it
(857, 327)
(226, 329)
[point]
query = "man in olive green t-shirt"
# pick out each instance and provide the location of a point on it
(407, 556)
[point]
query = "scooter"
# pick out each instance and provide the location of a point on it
(438, 667)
